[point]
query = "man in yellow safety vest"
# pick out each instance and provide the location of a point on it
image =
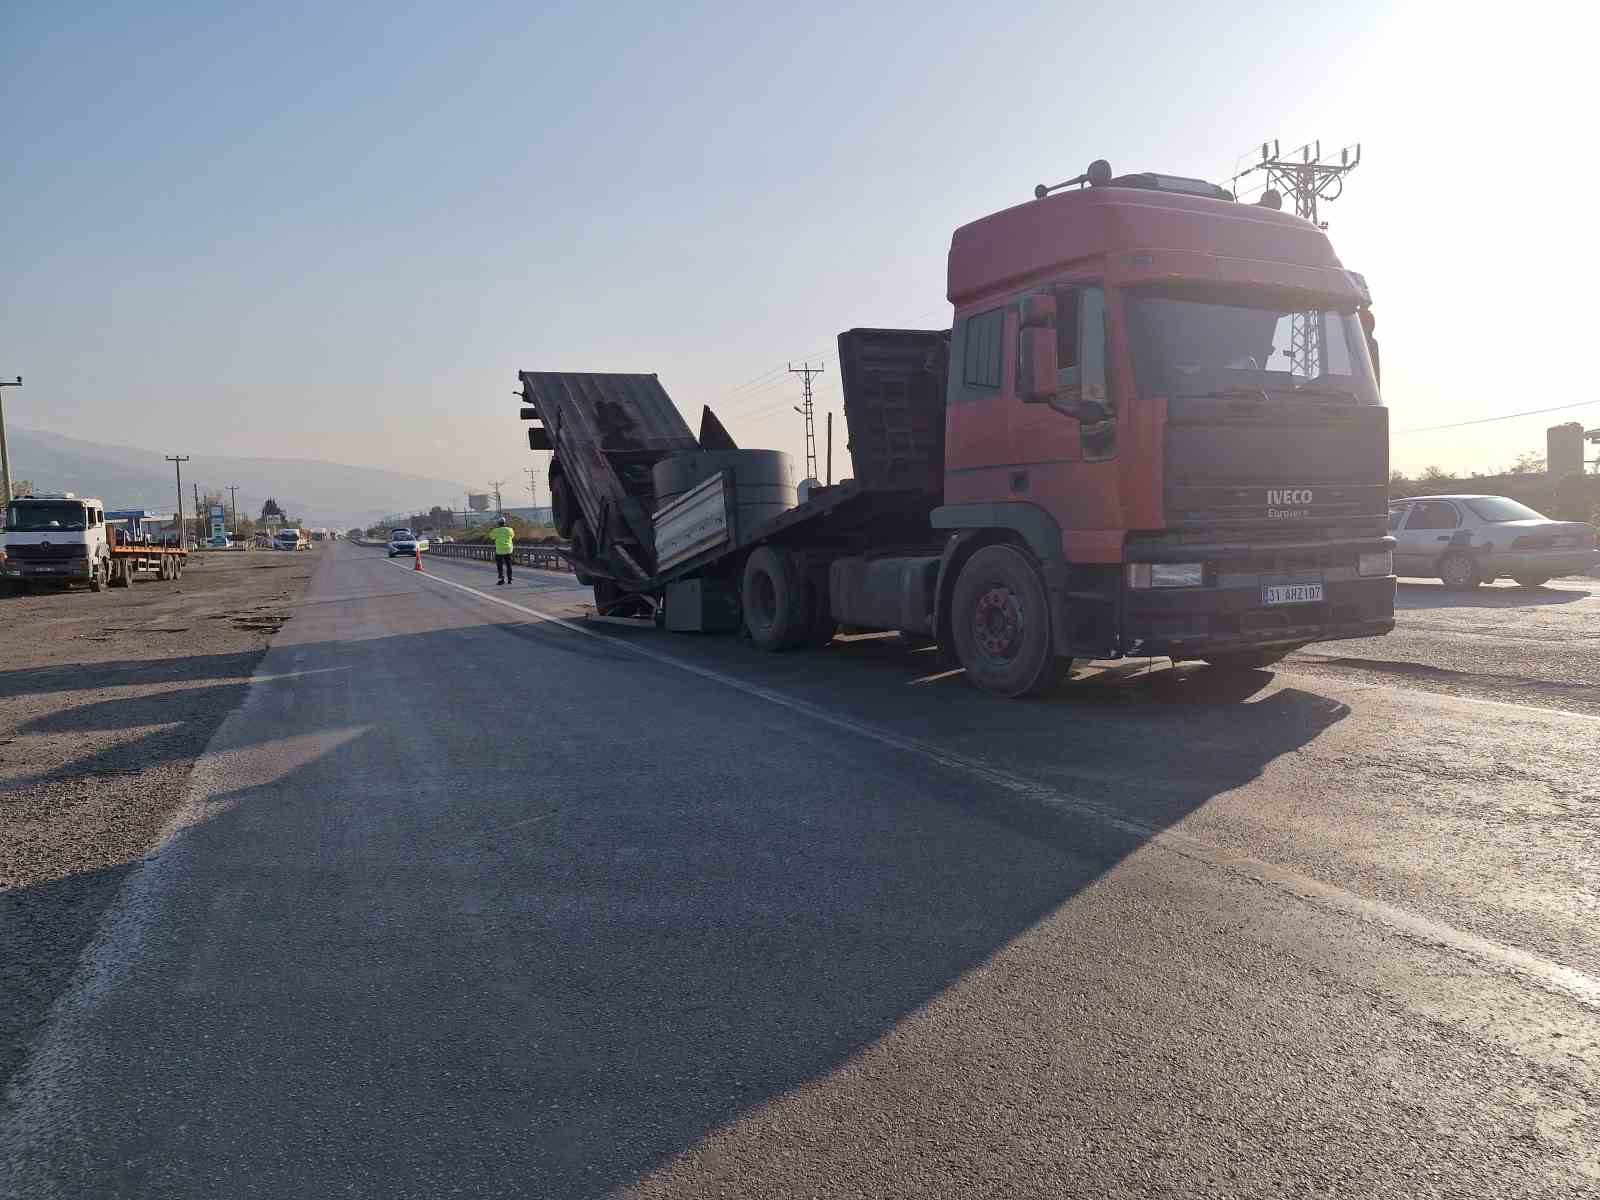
(504, 541)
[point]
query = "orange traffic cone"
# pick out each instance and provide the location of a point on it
(418, 567)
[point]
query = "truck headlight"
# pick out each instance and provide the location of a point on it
(1377, 562)
(1166, 575)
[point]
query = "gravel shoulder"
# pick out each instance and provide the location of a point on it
(106, 700)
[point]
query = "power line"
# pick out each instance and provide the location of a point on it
(1532, 412)
(1306, 180)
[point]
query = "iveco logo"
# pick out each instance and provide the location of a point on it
(1277, 496)
(44, 543)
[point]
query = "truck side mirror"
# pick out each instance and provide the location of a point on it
(1036, 381)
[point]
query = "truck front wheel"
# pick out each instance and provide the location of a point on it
(1000, 617)
(774, 599)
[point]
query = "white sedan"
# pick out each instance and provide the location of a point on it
(403, 541)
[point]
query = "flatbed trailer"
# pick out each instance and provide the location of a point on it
(162, 561)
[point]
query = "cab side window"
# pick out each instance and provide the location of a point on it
(981, 349)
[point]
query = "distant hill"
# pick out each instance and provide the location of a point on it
(321, 493)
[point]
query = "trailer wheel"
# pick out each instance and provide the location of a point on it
(610, 600)
(774, 600)
(820, 625)
(561, 505)
(1000, 616)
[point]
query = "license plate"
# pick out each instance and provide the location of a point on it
(1291, 593)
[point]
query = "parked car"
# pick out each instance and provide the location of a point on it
(1468, 540)
(403, 541)
(218, 542)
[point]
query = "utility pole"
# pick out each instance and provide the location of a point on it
(1306, 179)
(233, 505)
(495, 486)
(199, 521)
(806, 371)
(177, 461)
(829, 480)
(533, 486)
(5, 453)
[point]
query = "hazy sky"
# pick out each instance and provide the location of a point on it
(338, 230)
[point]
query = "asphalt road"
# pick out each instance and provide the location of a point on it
(469, 901)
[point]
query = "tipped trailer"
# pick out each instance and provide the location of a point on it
(1154, 428)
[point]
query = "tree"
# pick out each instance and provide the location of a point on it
(1432, 475)
(21, 487)
(1398, 476)
(1529, 462)
(271, 509)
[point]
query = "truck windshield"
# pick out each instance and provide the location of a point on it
(41, 516)
(1246, 345)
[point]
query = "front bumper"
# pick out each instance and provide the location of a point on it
(69, 569)
(1188, 622)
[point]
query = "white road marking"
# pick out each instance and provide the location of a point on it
(1546, 973)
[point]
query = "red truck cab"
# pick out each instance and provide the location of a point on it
(1168, 396)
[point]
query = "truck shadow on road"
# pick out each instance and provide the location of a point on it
(537, 953)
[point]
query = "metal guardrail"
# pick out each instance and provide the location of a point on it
(544, 558)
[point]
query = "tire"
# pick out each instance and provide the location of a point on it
(1531, 581)
(1000, 618)
(773, 597)
(1246, 660)
(820, 625)
(561, 507)
(1459, 572)
(582, 547)
(611, 600)
(97, 581)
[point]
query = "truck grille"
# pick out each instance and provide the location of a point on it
(37, 553)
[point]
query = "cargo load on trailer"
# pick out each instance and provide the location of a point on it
(1153, 428)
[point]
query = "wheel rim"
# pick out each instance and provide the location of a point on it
(997, 624)
(1457, 571)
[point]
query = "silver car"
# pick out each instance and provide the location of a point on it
(1468, 540)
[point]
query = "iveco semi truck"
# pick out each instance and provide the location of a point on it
(1152, 428)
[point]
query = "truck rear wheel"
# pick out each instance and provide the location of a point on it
(1000, 617)
(774, 599)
